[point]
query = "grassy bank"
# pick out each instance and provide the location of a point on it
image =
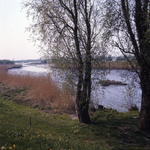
(23, 128)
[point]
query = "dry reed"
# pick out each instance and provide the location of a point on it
(42, 91)
(114, 65)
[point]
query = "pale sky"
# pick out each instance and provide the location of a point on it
(14, 41)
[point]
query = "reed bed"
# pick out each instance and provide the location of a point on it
(118, 65)
(42, 92)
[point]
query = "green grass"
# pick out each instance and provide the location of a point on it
(24, 128)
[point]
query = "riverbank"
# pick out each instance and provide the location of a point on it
(8, 66)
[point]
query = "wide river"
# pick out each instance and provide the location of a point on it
(117, 97)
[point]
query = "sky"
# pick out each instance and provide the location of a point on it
(14, 40)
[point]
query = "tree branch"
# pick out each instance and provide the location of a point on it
(125, 9)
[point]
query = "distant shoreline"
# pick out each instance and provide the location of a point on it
(6, 67)
(14, 66)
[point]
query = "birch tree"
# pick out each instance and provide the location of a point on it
(69, 30)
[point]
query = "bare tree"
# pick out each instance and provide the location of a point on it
(127, 25)
(68, 30)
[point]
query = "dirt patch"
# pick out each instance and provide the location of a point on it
(74, 116)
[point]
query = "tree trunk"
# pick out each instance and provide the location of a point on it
(84, 94)
(142, 25)
(145, 105)
(83, 116)
(141, 49)
(84, 77)
(145, 112)
(82, 107)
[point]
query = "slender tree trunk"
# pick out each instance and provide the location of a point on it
(83, 99)
(83, 106)
(86, 92)
(83, 95)
(84, 77)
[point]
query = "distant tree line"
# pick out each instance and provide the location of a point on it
(5, 61)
